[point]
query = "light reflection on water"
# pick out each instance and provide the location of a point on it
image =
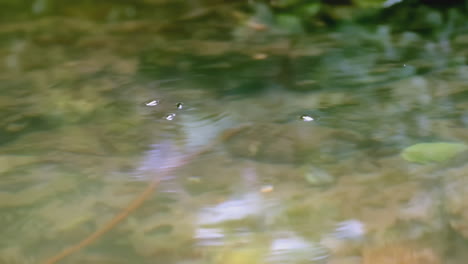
(159, 158)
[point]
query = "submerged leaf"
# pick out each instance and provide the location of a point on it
(432, 152)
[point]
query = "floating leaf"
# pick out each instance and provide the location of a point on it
(432, 152)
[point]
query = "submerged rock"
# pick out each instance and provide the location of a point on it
(290, 143)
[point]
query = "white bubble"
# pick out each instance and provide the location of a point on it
(152, 103)
(170, 117)
(307, 118)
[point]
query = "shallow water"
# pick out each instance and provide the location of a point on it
(266, 151)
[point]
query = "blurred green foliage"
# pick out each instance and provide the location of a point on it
(294, 15)
(425, 16)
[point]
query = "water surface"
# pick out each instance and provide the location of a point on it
(278, 151)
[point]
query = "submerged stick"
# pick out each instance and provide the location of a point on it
(135, 204)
